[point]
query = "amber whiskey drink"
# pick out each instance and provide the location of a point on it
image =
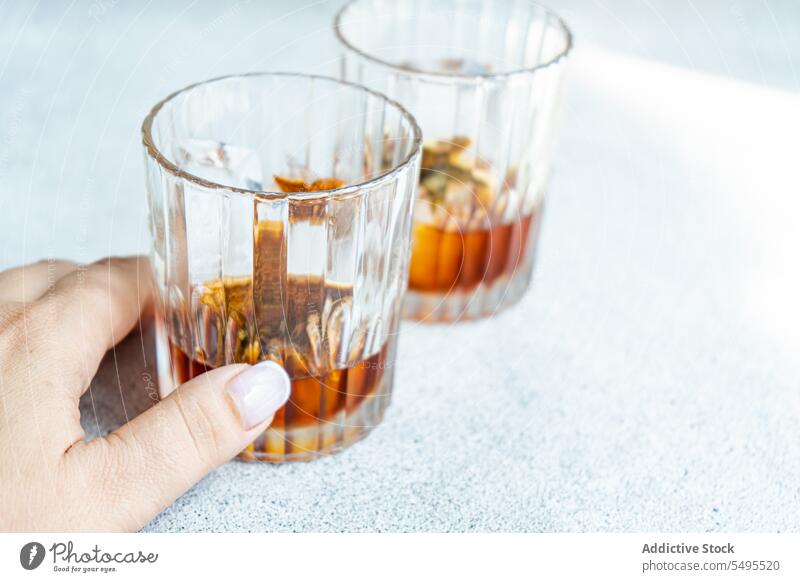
(323, 414)
(465, 235)
(455, 260)
(329, 406)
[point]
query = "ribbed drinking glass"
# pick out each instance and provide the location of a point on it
(281, 211)
(483, 78)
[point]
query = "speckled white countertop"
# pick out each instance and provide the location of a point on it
(651, 378)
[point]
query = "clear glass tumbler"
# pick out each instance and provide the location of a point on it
(483, 78)
(281, 210)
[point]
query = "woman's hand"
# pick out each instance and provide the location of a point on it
(56, 322)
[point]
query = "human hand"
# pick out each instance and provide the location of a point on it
(56, 322)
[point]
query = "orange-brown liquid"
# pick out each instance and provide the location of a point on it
(450, 260)
(329, 407)
(316, 403)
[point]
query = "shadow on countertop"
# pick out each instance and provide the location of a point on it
(126, 384)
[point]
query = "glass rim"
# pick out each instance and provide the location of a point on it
(166, 164)
(455, 76)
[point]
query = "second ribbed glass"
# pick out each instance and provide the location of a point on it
(483, 78)
(280, 209)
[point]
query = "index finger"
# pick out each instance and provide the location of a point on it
(99, 305)
(29, 282)
(51, 348)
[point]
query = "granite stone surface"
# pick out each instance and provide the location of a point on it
(650, 379)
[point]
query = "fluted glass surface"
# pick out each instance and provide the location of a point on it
(483, 78)
(280, 210)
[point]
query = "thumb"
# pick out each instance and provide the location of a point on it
(147, 463)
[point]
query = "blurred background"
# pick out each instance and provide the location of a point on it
(78, 78)
(651, 378)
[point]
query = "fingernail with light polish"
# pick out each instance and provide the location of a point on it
(258, 392)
